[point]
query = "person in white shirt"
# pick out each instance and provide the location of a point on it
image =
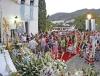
(33, 44)
(23, 38)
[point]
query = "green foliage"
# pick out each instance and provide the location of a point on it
(89, 71)
(42, 15)
(13, 74)
(80, 21)
(15, 45)
(97, 19)
(98, 23)
(32, 67)
(98, 26)
(48, 24)
(27, 69)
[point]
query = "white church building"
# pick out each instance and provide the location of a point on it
(22, 15)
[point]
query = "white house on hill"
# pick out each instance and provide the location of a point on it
(25, 12)
(58, 22)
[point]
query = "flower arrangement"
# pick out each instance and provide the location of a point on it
(42, 64)
(90, 71)
(53, 67)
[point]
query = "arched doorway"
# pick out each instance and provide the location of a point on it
(27, 27)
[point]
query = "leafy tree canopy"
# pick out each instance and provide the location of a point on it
(80, 21)
(48, 24)
(42, 15)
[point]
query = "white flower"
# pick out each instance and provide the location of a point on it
(49, 64)
(22, 64)
(44, 67)
(24, 72)
(62, 63)
(66, 74)
(24, 68)
(42, 72)
(60, 67)
(77, 73)
(54, 67)
(35, 58)
(55, 63)
(80, 72)
(58, 71)
(65, 65)
(57, 60)
(65, 68)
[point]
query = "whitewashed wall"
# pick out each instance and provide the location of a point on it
(12, 9)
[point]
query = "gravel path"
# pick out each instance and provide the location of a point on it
(78, 62)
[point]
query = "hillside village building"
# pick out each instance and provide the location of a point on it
(65, 23)
(24, 11)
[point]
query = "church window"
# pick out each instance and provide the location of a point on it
(22, 1)
(31, 2)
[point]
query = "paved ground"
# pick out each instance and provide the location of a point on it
(78, 62)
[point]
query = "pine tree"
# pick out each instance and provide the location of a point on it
(42, 15)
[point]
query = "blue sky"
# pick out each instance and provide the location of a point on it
(54, 6)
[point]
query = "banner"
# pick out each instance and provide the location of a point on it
(22, 11)
(93, 26)
(31, 12)
(87, 24)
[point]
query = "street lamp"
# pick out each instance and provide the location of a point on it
(15, 20)
(89, 18)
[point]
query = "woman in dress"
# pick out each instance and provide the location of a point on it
(90, 54)
(55, 48)
(71, 48)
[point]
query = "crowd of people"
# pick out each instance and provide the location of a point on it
(57, 42)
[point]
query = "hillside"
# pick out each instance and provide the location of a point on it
(66, 16)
